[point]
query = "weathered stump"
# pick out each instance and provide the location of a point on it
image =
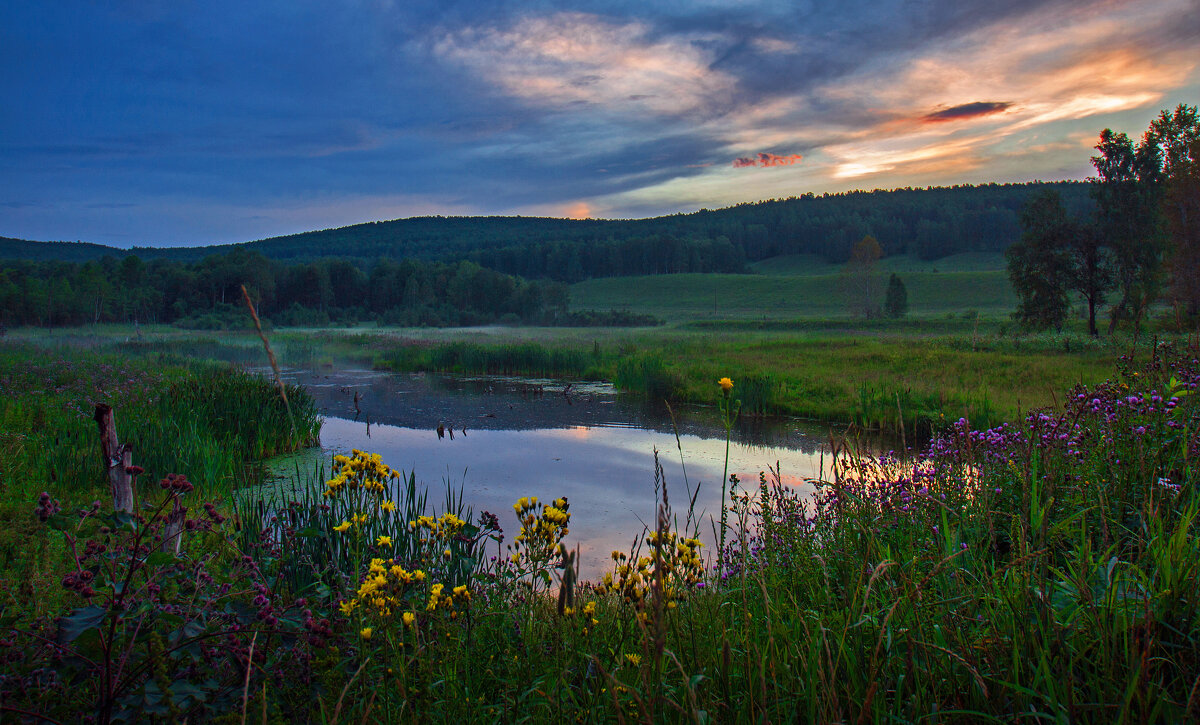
(118, 459)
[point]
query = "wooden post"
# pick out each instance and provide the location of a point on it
(118, 459)
(172, 533)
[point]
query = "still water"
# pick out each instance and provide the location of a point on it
(504, 438)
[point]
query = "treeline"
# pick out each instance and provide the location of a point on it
(929, 223)
(207, 293)
(1142, 239)
(574, 262)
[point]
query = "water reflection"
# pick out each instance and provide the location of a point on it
(516, 438)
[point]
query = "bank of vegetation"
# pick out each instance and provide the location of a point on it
(1045, 568)
(891, 380)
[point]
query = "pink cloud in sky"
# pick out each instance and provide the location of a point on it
(766, 159)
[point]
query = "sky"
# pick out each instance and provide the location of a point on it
(191, 122)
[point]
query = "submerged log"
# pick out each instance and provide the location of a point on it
(118, 459)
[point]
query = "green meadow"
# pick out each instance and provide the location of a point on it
(803, 287)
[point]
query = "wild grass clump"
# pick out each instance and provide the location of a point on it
(505, 359)
(650, 375)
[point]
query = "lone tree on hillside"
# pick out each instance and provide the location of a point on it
(861, 278)
(895, 301)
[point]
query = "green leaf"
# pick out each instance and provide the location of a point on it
(61, 522)
(160, 558)
(81, 620)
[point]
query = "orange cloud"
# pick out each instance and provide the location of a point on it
(765, 159)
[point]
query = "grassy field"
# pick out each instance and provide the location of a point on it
(799, 287)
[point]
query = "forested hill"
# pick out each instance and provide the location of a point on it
(929, 223)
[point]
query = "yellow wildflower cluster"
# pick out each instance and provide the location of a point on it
(679, 565)
(389, 589)
(360, 471)
(586, 614)
(442, 528)
(542, 529)
(439, 600)
(385, 587)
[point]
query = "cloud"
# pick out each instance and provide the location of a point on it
(580, 59)
(966, 111)
(766, 159)
(1058, 65)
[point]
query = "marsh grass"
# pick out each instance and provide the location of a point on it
(499, 359)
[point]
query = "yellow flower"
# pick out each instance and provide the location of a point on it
(366, 633)
(634, 660)
(342, 527)
(409, 619)
(726, 384)
(387, 506)
(383, 541)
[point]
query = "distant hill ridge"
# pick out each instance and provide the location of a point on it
(928, 223)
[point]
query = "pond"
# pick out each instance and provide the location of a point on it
(504, 438)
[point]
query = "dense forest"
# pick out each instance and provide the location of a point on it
(207, 294)
(929, 223)
(472, 270)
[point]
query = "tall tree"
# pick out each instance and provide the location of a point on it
(1178, 134)
(1127, 191)
(1091, 267)
(1040, 266)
